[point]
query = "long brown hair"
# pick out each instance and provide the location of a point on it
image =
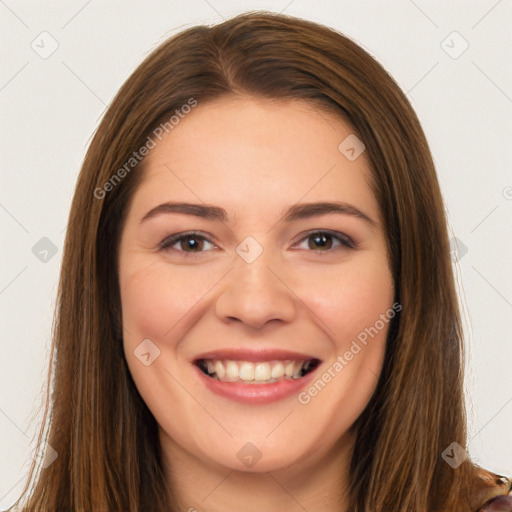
(106, 439)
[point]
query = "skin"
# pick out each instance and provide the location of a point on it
(254, 158)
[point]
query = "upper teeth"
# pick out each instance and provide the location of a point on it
(265, 371)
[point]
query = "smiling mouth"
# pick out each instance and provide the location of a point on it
(264, 372)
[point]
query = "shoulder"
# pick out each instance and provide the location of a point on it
(492, 492)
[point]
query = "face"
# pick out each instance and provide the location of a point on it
(255, 329)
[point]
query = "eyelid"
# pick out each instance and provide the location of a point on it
(342, 238)
(169, 241)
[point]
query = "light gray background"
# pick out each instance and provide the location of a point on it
(50, 107)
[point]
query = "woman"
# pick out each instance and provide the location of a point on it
(256, 307)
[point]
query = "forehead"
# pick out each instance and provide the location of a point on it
(245, 151)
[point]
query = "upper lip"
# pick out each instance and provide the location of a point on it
(252, 355)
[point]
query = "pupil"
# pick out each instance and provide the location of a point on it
(191, 242)
(321, 240)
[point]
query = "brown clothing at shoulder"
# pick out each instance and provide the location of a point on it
(498, 504)
(491, 492)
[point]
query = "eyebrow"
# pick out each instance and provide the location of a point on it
(293, 213)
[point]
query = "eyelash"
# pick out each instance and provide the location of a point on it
(344, 240)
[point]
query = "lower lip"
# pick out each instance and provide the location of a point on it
(255, 393)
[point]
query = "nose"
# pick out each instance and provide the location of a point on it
(256, 294)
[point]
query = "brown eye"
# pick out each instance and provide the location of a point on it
(324, 241)
(188, 243)
(192, 242)
(320, 241)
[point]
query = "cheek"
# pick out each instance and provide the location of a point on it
(156, 298)
(357, 310)
(354, 299)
